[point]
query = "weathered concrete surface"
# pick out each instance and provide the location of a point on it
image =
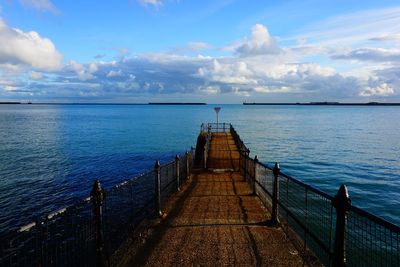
(217, 222)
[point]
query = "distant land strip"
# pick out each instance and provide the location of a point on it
(13, 103)
(323, 104)
(176, 103)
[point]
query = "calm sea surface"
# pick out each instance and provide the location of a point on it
(50, 154)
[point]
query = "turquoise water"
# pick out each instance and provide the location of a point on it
(50, 154)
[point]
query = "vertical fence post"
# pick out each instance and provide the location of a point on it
(177, 168)
(246, 155)
(188, 163)
(205, 156)
(157, 193)
(97, 197)
(342, 203)
(255, 174)
(275, 194)
(41, 237)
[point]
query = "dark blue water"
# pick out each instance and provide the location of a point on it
(50, 154)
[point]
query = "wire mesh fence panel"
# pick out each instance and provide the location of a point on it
(370, 242)
(183, 167)
(219, 127)
(67, 237)
(64, 239)
(264, 182)
(168, 180)
(124, 207)
(309, 214)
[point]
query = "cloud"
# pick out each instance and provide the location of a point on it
(27, 48)
(268, 76)
(381, 90)
(371, 54)
(99, 56)
(230, 73)
(84, 73)
(260, 43)
(353, 28)
(168, 75)
(113, 73)
(36, 76)
(192, 47)
(386, 38)
(155, 3)
(40, 5)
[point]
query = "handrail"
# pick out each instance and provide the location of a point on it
(310, 215)
(93, 231)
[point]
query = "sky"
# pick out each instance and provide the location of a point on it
(219, 51)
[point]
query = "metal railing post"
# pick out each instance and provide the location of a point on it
(177, 167)
(255, 174)
(342, 203)
(41, 239)
(97, 198)
(187, 165)
(205, 156)
(275, 194)
(246, 155)
(157, 191)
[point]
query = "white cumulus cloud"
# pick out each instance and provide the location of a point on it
(27, 48)
(260, 43)
(84, 73)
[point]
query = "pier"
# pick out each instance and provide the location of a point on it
(219, 221)
(215, 205)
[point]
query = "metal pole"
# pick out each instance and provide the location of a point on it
(41, 239)
(97, 198)
(275, 195)
(246, 155)
(205, 156)
(177, 172)
(217, 122)
(157, 191)
(342, 203)
(255, 174)
(187, 164)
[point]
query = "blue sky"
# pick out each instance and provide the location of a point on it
(135, 51)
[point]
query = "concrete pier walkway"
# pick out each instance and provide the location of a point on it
(216, 221)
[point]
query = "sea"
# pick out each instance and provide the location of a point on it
(51, 154)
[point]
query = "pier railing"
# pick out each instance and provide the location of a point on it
(336, 231)
(98, 230)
